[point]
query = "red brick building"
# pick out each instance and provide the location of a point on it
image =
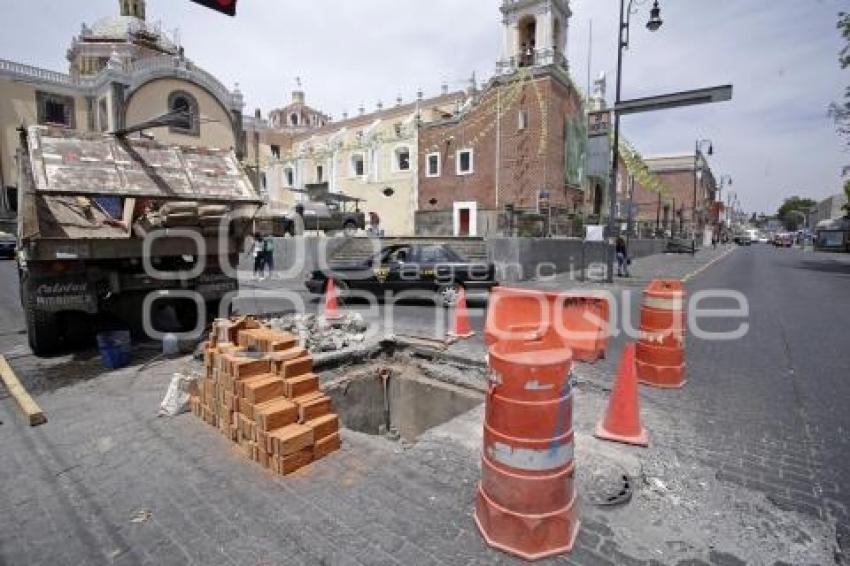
(673, 210)
(518, 144)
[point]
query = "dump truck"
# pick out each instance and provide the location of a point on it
(106, 222)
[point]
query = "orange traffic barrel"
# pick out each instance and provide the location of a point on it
(660, 356)
(526, 503)
(581, 320)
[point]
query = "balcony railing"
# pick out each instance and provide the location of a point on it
(538, 58)
(138, 73)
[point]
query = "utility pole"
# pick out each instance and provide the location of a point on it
(622, 43)
(697, 176)
(257, 117)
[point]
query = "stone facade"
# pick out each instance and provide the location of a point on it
(372, 157)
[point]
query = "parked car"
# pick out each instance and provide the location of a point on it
(403, 267)
(8, 244)
(333, 213)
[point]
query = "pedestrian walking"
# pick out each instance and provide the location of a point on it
(714, 241)
(259, 257)
(623, 259)
(268, 254)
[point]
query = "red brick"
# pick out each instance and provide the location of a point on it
(520, 163)
(249, 337)
(241, 385)
(295, 461)
(263, 457)
(323, 426)
(275, 414)
(313, 408)
(326, 446)
(291, 439)
(302, 385)
(264, 390)
(247, 367)
(296, 367)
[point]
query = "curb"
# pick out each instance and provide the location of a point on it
(693, 274)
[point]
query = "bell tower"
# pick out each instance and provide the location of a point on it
(133, 8)
(535, 33)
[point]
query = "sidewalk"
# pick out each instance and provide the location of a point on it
(643, 271)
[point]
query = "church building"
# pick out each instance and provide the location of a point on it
(123, 70)
(510, 162)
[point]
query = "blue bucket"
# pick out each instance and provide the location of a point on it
(114, 348)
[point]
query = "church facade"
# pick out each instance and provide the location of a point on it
(511, 161)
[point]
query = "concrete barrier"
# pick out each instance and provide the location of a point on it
(516, 259)
(523, 259)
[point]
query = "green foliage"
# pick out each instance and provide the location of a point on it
(793, 211)
(844, 28)
(846, 207)
(840, 111)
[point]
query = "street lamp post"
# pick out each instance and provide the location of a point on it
(697, 171)
(653, 24)
(724, 179)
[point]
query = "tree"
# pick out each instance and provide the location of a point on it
(840, 111)
(846, 206)
(794, 211)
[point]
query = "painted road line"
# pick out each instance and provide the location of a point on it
(693, 274)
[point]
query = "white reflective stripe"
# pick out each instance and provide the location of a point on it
(529, 459)
(664, 304)
(535, 385)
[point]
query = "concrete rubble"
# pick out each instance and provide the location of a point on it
(319, 334)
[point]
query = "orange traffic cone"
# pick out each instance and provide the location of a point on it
(461, 327)
(622, 421)
(331, 307)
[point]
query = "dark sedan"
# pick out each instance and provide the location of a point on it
(411, 267)
(8, 243)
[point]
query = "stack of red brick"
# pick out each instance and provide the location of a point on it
(260, 391)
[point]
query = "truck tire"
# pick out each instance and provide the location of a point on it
(43, 330)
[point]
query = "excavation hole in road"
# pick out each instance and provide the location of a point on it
(396, 399)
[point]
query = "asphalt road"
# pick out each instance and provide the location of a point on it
(12, 326)
(767, 411)
(771, 409)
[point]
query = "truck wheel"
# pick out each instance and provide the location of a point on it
(349, 229)
(43, 329)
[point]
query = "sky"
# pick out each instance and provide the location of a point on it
(774, 138)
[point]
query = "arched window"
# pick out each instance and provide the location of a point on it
(556, 36)
(185, 107)
(527, 40)
(293, 119)
(289, 177)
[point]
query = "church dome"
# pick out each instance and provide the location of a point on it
(124, 28)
